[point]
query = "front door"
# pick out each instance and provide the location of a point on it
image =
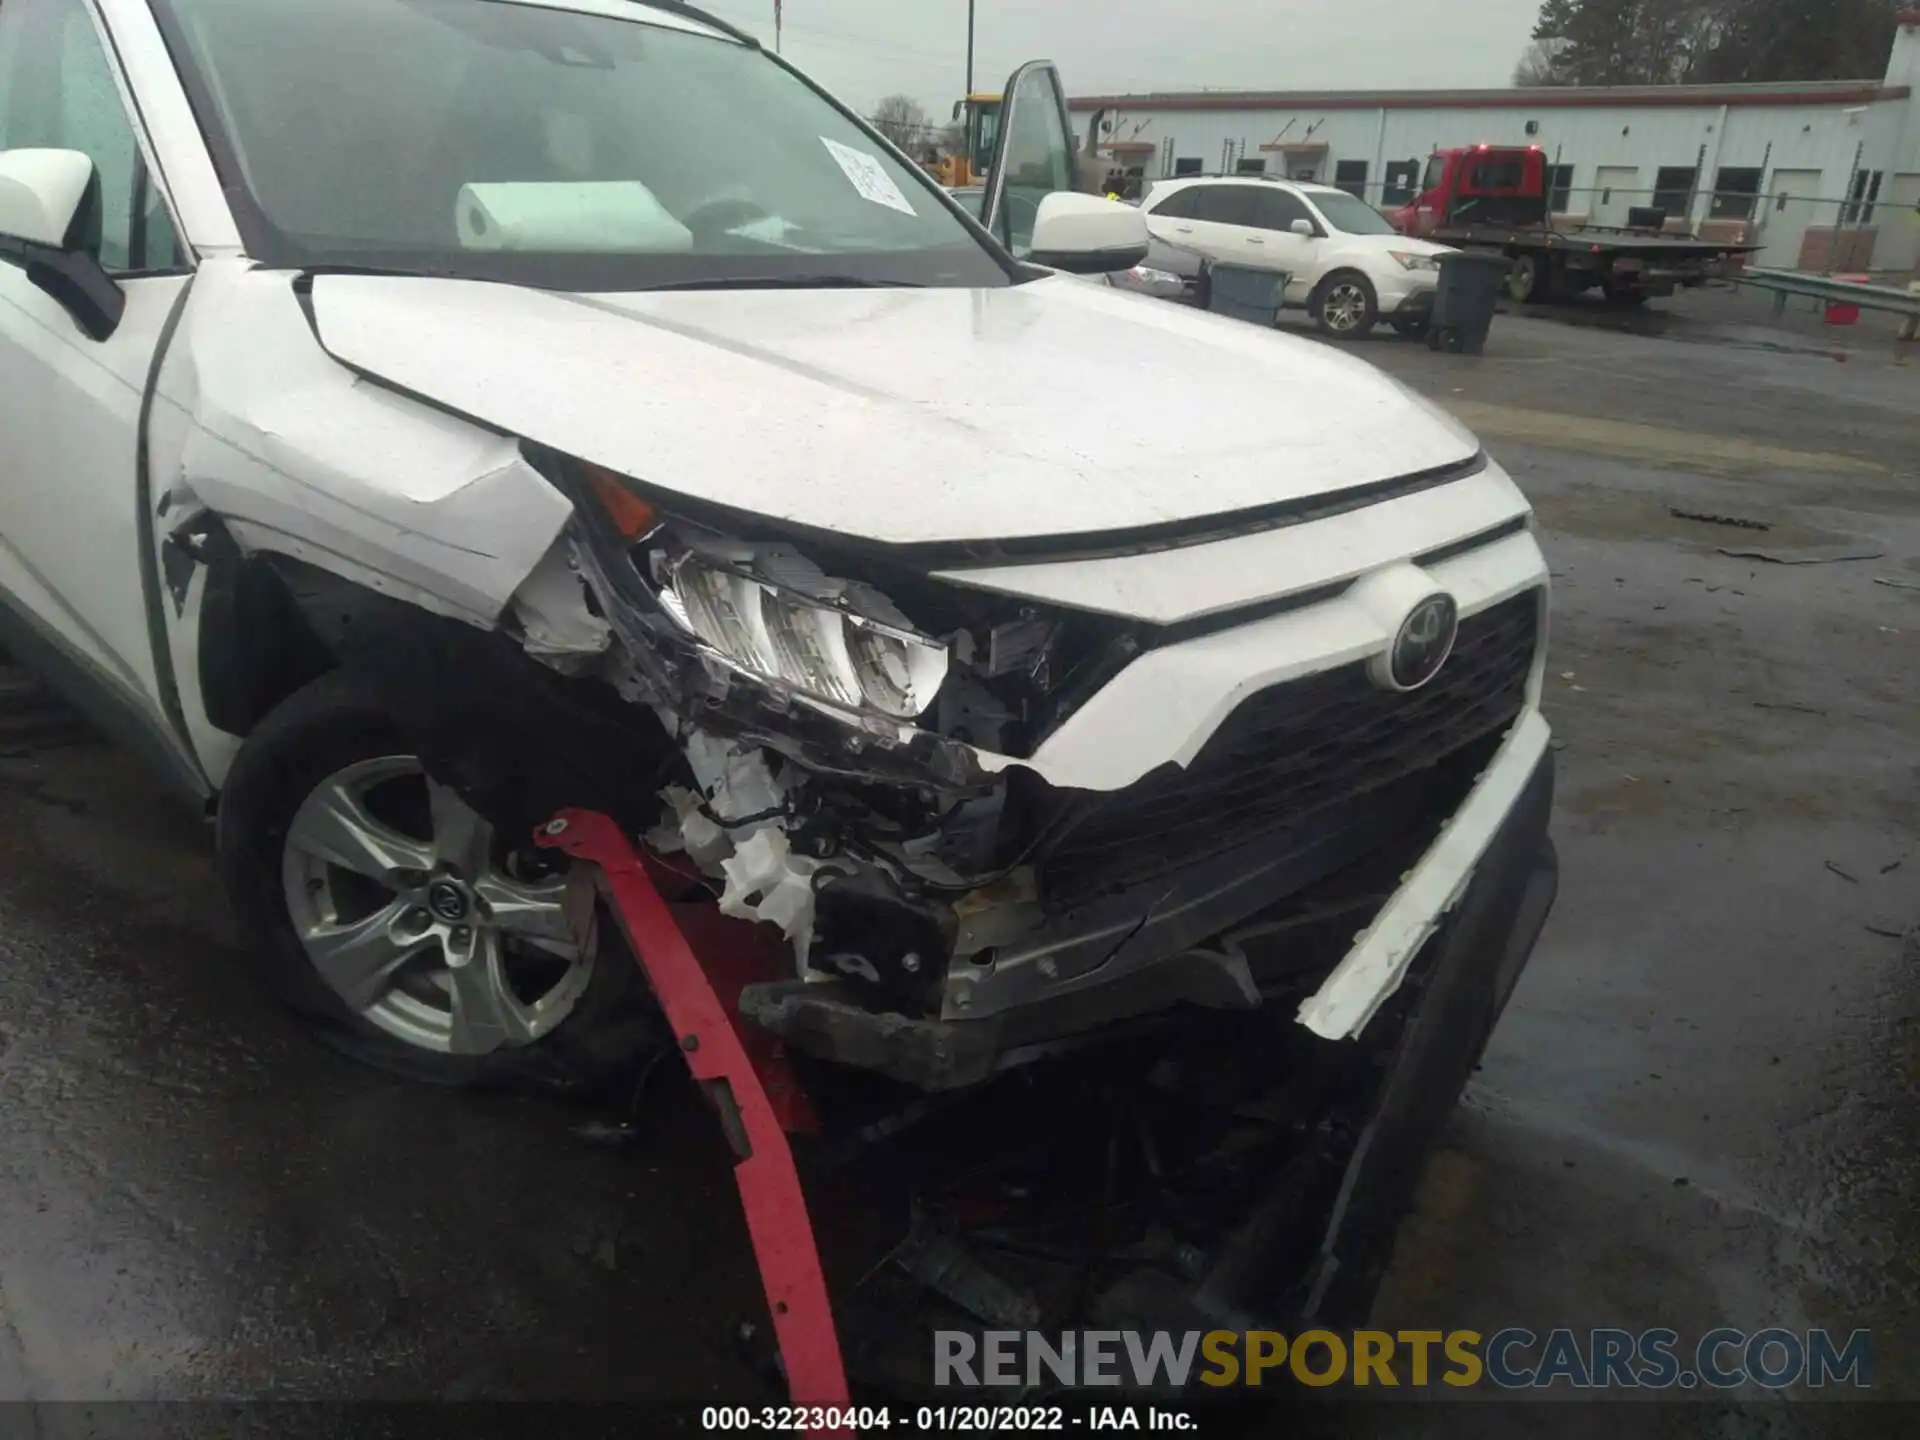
(1614, 194)
(1275, 212)
(72, 579)
(1034, 156)
(1789, 205)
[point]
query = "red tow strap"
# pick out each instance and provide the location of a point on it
(743, 1074)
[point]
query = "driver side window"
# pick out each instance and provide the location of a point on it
(57, 91)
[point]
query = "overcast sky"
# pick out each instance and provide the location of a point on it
(863, 49)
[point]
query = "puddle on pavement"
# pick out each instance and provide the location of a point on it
(1662, 324)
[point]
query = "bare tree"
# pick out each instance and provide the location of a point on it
(1537, 65)
(903, 120)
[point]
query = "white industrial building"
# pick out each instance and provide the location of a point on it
(1789, 165)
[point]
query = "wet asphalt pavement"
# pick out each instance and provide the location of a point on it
(1700, 1109)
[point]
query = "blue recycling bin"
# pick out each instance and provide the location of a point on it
(1246, 292)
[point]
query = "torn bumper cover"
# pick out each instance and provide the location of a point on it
(1463, 888)
(947, 801)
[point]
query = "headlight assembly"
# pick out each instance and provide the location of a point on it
(821, 640)
(1410, 261)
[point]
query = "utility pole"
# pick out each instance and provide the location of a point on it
(776, 27)
(970, 4)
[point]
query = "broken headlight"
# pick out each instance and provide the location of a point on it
(772, 613)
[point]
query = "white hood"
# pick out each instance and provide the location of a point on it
(1051, 408)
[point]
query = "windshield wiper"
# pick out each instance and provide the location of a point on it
(787, 282)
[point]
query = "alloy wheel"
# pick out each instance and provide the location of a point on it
(1345, 306)
(412, 914)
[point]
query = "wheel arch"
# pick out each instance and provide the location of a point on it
(517, 739)
(1341, 271)
(256, 645)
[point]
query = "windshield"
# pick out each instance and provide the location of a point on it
(1355, 217)
(611, 146)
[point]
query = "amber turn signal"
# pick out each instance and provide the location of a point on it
(631, 516)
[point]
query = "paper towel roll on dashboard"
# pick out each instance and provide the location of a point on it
(605, 215)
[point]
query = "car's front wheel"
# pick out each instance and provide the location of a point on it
(1344, 306)
(400, 925)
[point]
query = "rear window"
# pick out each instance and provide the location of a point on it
(1497, 175)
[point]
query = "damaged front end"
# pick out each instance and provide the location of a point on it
(858, 762)
(1000, 797)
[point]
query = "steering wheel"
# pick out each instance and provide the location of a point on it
(717, 217)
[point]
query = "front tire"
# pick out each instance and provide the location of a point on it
(1344, 306)
(399, 927)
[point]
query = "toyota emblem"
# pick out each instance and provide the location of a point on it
(1424, 641)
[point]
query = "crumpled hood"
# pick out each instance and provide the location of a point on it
(907, 416)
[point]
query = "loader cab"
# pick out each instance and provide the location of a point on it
(978, 117)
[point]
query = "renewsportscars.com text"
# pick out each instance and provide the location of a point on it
(1509, 1359)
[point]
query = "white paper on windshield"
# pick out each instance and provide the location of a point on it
(869, 176)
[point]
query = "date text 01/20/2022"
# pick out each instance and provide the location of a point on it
(928, 1419)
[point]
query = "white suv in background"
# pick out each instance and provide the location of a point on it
(1349, 267)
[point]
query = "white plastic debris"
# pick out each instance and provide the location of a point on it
(735, 778)
(767, 881)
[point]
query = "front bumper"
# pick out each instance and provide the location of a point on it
(1493, 830)
(1413, 305)
(1311, 1250)
(1465, 973)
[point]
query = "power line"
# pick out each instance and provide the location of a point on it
(831, 37)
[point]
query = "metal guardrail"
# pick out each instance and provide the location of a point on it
(1822, 287)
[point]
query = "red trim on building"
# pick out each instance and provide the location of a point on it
(1907, 17)
(1542, 99)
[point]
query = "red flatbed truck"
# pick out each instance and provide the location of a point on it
(1490, 197)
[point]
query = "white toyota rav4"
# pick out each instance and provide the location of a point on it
(417, 416)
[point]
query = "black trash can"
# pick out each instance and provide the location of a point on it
(1463, 304)
(1245, 292)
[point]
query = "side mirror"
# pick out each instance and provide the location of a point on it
(41, 192)
(1302, 227)
(49, 201)
(1087, 235)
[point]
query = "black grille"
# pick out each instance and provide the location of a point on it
(1296, 749)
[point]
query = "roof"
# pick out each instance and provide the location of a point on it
(1796, 92)
(1305, 187)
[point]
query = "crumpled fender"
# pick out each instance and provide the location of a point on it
(304, 457)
